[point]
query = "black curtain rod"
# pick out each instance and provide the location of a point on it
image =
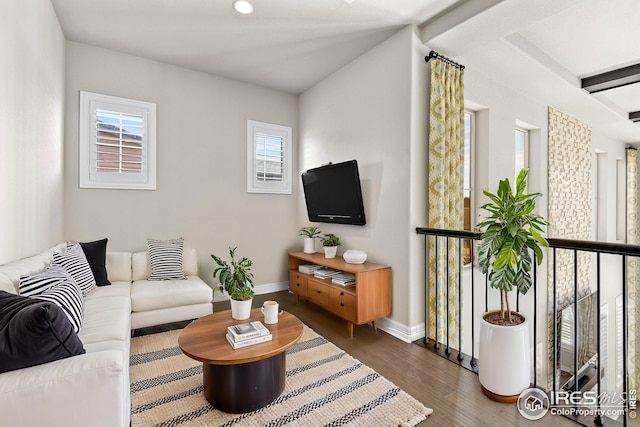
(436, 55)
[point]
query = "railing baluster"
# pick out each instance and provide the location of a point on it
(535, 323)
(555, 325)
(426, 292)
(447, 284)
(575, 321)
(436, 344)
(473, 362)
(460, 255)
(598, 419)
(625, 350)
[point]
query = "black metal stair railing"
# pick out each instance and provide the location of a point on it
(597, 249)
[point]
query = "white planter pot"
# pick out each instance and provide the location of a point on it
(504, 359)
(330, 251)
(241, 310)
(309, 245)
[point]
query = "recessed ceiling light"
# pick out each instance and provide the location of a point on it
(243, 6)
(348, 1)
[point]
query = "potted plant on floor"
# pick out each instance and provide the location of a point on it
(330, 243)
(236, 279)
(510, 233)
(310, 234)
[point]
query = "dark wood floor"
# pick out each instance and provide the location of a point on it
(452, 392)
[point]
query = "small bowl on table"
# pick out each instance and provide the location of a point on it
(353, 256)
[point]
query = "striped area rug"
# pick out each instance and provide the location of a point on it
(324, 386)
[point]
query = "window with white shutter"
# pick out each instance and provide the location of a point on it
(117, 142)
(268, 158)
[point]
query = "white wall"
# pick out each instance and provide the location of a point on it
(363, 112)
(31, 108)
(201, 149)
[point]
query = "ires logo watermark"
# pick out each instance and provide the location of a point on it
(534, 403)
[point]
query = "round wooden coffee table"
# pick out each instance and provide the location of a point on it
(246, 379)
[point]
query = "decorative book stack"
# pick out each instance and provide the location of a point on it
(324, 272)
(308, 268)
(246, 334)
(344, 279)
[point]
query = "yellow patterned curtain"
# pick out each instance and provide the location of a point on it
(446, 210)
(633, 267)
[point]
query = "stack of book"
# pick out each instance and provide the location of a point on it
(344, 279)
(324, 272)
(247, 334)
(308, 268)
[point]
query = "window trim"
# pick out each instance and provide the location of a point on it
(89, 176)
(270, 187)
(525, 161)
(472, 196)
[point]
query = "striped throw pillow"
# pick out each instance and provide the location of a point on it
(75, 263)
(38, 283)
(165, 257)
(56, 285)
(68, 297)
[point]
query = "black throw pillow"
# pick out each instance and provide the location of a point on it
(33, 331)
(96, 254)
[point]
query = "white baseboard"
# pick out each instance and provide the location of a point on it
(402, 332)
(258, 290)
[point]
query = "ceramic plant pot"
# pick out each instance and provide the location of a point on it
(330, 251)
(241, 310)
(309, 245)
(504, 360)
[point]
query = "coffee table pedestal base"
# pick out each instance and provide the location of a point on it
(244, 387)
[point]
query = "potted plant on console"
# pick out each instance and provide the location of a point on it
(310, 234)
(510, 233)
(330, 243)
(236, 279)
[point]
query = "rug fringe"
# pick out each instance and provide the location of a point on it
(418, 418)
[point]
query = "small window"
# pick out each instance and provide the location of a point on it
(469, 138)
(522, 149)
(117, 142)
(268, 158)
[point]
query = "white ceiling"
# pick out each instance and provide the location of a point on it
(543, 47)
(285, 44)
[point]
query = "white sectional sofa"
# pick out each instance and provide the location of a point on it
(92, 389)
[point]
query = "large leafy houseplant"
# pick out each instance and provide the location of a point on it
(235, 277)
(509, 233)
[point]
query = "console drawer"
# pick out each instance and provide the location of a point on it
(343, 304)
(298, 283)
(318, 292)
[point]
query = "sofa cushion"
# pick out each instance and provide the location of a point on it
(165, 257)
(96, 254)
(119, 266)
(10, 273)
(107, 318)
(149, 295)
(74, 261)
(33, 332)
(122, 289)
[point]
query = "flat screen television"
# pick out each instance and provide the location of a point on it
(333, 193)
